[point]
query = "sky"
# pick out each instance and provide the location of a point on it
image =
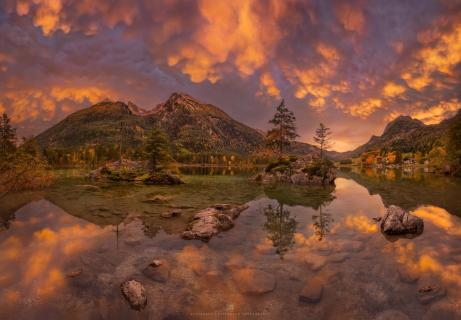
(354, 65)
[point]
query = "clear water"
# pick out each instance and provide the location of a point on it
(64, 251)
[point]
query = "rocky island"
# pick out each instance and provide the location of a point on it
(304, 170)
(133, 171)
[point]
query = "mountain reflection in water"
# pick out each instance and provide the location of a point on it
(66, 250)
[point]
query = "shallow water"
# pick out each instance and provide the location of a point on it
(65, 251)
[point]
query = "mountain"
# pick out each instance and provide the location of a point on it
(204, 127)
(192, 126)
(99, 124)
(406, 134)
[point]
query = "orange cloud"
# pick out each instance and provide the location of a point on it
(268, 85)
(351, 17)
(29, 104)
(441, 57)
(392, 89)
(439, 112)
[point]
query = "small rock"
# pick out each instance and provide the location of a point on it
(134, 293)
(171, 214)
(158, 198)
(312, 291)
(377, 219)
(428, 294)
(159, 273)
(74, 273)
(156, 263)
(392, 314)
(254, 281)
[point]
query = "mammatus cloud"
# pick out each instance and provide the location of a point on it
(368, 60)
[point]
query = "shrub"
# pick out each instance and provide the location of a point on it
(281, 162)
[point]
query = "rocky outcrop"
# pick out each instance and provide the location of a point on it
(398, 222)
(212, 220)
(134, 293)
(133, 171)
(301, 171)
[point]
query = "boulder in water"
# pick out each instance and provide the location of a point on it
(397, 221)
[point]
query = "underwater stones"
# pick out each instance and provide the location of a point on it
(315, 262)
(254, 281)
(134, 293)
(430, 293)
(158, 198)
(210, 221)
(407, 275)
(391, 314)
(312, 291)
(74, 273)
(397, 221)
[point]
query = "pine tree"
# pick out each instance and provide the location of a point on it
(323, 138)
(284, 131)
(7, 136)
(157, 148)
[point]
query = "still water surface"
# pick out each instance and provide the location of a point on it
(64, 251)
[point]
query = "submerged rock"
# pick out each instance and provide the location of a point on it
(312, 291)
(134, 293)
(253, 281)
(397, 221)
(212, 220)
(428, 294)
(170, 214)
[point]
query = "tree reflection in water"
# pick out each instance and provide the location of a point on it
(322, 222)
(280, 227)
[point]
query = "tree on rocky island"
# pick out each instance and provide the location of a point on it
(7, 136)
(284, 131)
(157, 148)
(322, 138)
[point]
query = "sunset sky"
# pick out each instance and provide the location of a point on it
(354, 65)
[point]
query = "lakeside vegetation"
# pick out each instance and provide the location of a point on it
(21, 167)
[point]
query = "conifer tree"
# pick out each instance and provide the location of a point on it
(157, 148)
(284, 131)
(323, 138)
(7, 136)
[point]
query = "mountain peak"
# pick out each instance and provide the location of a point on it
(402, 123)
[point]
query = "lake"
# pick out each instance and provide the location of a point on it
(295, 253)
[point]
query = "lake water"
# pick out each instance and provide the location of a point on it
(65, 251)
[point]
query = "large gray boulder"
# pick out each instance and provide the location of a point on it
(397, 221)
(212, 220)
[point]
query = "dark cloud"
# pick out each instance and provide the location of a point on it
(353, 64)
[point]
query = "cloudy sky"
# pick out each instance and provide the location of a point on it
(353, 65)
